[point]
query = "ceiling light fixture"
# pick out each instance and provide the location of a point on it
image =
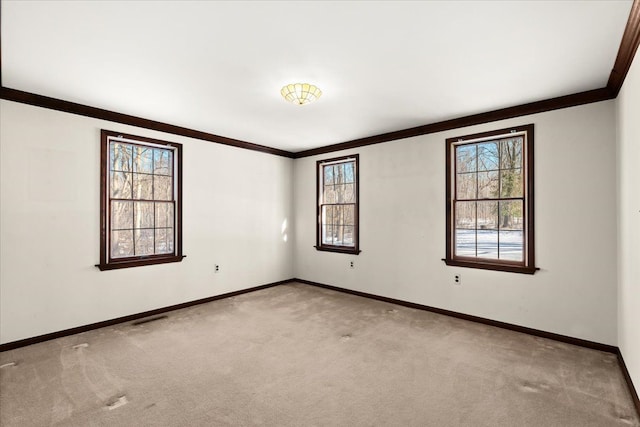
(300, 93)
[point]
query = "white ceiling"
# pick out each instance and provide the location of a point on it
(382, 66)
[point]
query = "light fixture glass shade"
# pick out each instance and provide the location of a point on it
(300, 93)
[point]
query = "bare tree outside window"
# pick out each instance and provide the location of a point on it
(338, 205)
(490, 200)
(140, 201)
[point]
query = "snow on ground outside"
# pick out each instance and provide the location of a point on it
(511, 244)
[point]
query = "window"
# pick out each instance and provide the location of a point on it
(140, 201)
(490, 200)
(337, 229)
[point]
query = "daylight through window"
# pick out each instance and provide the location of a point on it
(140, 201)
(490, 200)
(337, 228)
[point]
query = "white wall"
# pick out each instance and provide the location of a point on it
(402, 234)
(235, 204)
(628, 120)
(236, 201)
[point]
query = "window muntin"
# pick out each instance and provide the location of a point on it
(337, 228)
(140, 201)
(490, 200)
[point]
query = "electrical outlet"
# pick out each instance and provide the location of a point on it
(457, 279)
(217, 269)
(352, 264)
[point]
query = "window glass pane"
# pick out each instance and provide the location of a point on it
(511, 153)
(327, 234)
(465, 234)
(338, 233)
(466, 185)
(329, 194)
(487, 235)
(144, 215)
(121, 215)
(512, 245)
(142, 186)
(164, 214)
(120, 185)
(466, 158)
(327, 215)
(349, 172)
(162, 187)
(338, 215)
(142, 159)
(162, 162)
(487, 213)
(328, 174)
(120, 155)
(466, 215)
(511, 183)
(121, 243)
(488, 185)
(465, 242)
(339, 192)
(144, 242)
(346, 193)
(488, 158)
(511, 215)
(164, 240)
(487, 244)
(348, 235)
(338, 173)
(349, 217)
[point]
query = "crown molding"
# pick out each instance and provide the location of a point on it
(566, 101)
(626, 51)
(112, 116)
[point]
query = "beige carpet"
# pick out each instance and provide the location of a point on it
(296, 355)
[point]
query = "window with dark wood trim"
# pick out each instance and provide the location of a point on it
(338, 201)
(490, 200)
(140, 201)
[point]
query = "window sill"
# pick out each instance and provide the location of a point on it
(114, 265)
(338, 249)
(491, 266)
